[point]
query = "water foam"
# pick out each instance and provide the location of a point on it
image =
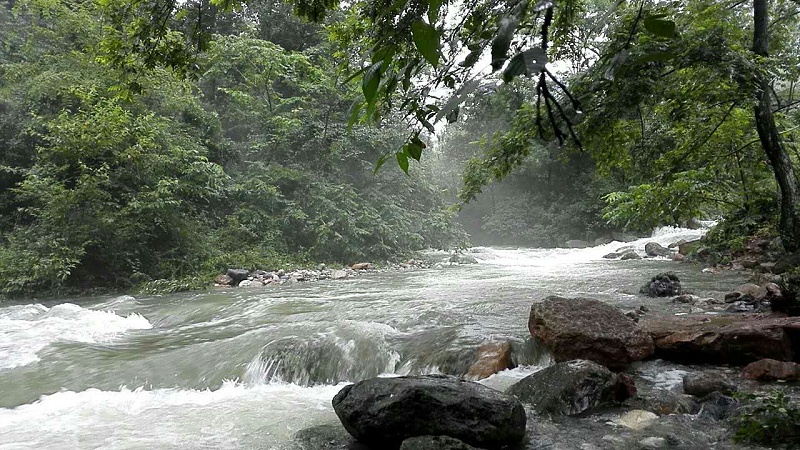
(27, 329)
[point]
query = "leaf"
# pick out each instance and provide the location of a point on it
(457, 99)
(402, 161)
(353, 76)
(656, 56)
(433, 10)
(426, 39)
(613, 66)
(660, 27)
(354, 115)
(529, 62)
(370, 83)
(502, 41)
(471, 58)
(515, 68)
(413, 150)
(384, 54)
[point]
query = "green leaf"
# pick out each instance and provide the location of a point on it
(370, 83)
(433, 10)
(380, 162)
(502, 41)
(354, 115)
(529, 62)
(413, 150)
(660, 27)
(426, 39)
(402, 161)
(515, 68)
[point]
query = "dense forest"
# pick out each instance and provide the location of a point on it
(171, 140)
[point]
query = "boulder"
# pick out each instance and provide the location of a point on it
(338, 274)
(630, 254)
(387, 411)
(636, 419)
(717, 406)
(703, 383)
(686, 247)
(576, 243)
(770, 369)
(237, 275)
(752, 292)
(583, 328)
(571, 388)
(612, 255)
(223, 280)
(492, 357)
(722, 339)
(677, 257)
(361, 266)
(662, 285)
(435, 443)
(655, 249)
(603, 240)
(685, 298)
(787, 263)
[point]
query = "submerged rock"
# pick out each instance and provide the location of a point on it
(612, 255)
(637, 419)
(460, 258)
(629, 255)
(582, 328)
(662, 285)
(386, 411)
(576, 243)
(492, 358)
(571, 388)
(703, 383)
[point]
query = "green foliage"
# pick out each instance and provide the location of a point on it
(769, 420)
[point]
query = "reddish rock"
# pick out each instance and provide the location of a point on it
(770, 369)
(724, 339)
(582, 328)
(361, 266)
(677, 257)
(492, 358)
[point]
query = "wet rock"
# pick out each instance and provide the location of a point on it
(325, 437)
(662, 285)
(677, 257)
(787, 263)
(629, 255)
(637, 419)
(237, 275)
(653, 442)
(460, 258)
(770, 369)
(361, 266)
(722, 339)
(686, 247)
(223, 280)
(655, 249)
(685, 298)
(633, 315)
(740, 307)
(703, 383)
(381, 411)
(582, 328)
(492, 357)
(245, 283)
(338, 274)
(717, 406)
(612, 255)
(576, 243)
(603, 240)
(753, 291)
(435, 443)
(571, 388)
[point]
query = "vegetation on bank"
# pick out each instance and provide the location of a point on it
(150, 141)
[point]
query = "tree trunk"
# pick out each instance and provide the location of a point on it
(770, 139)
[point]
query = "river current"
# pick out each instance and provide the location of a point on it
(246, 368)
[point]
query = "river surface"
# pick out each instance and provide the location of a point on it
(249, 367)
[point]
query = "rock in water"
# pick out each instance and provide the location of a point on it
(238, 275)
(435, 443)
(492, 358)
(386, 411)
(583, 328)
(662, 285)
(655, 249)
(770, 369)
(571, 388)
(703, 383)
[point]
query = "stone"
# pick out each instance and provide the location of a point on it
(238, 275)
(662, 401)
(655, 249)
(492, 357)
(717, 406)
(435, 443)
(338, 274)
(612, 255)
(770, 369)
(460, 258)
(603, 240)
(325, 437)
(637, 419)
(653, 442)
(629, 255)
(701, 384)
(686, 247)
(245, 283)
(677, 257)
(361, 266)
(582, 328)
(571, 388)
(787, 263)
(576, 243)
(387, 411)
(685, 298)
(722, 339)
(223, 280)
(664, 284)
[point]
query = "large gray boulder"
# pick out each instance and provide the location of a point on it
(655, 249)
(582, 328)
(386, 411)
(571, 388)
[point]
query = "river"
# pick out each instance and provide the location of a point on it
(248, 368)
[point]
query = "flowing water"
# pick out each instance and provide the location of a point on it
(248, 368)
